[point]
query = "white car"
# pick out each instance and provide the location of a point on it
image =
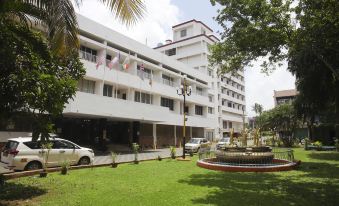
(223, 142)
(23, 154)
(194, 144)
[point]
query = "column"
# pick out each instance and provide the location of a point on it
(175, 135)
(154, 136)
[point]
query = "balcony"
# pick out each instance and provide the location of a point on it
(92, 105)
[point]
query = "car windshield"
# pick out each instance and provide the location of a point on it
(194, 141)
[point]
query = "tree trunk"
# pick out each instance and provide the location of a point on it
(336, 105)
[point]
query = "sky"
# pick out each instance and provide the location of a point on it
(156, 27)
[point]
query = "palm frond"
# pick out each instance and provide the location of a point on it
(126, 11)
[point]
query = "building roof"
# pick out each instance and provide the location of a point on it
(285, 93)
(193, 20)
(192, 37)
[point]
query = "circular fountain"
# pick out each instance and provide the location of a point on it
(248, 159)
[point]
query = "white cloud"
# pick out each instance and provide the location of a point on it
(155, 26)
(259, 86)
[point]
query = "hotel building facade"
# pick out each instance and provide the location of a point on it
(129, 92)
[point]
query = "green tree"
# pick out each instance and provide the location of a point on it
(303, 32)
(39, 70)
(258, 109)
(283, 120)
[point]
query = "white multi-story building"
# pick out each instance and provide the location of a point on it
(190, 44)
(129, 92)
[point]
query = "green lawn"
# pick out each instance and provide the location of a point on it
(171, 182)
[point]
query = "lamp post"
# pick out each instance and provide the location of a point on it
(183, 91)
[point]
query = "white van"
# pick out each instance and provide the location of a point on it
(23, 154)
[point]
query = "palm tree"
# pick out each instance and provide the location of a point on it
(258, 109)
(58, 19)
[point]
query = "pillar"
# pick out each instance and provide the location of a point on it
(154, 136)
(175, 135)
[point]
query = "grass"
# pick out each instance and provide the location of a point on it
(171, 182)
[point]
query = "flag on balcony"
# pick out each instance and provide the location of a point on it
(115, 61)
(100, 61)
(141, 70)
(126, 63)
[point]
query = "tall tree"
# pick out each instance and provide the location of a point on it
(303, 32)
(40, 65)
(258, 109)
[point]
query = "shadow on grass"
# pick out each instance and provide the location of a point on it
(319, 170)
(325, 156)
(284, 188)
(11, 192)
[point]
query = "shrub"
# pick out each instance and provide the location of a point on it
(159, 158)
(114, 157)
(173, 152)
(336, 143)
(318, 144)
(135, 148)
(64, 167)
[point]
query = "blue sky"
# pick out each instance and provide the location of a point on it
(156, 27)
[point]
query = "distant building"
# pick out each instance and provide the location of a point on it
(284, 96)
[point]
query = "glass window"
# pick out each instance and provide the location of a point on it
(199, 91)
(198, 110)
(142, 97)
(171, 52)
(183, 33)
(88, 54)
(86, 86)
(230, 124)
(210, 98)
(108, 90)
(33, 145)
(165, 102)
(210, 110)
(167, 80)
(224, 124)
(147, 73)
(62, 145)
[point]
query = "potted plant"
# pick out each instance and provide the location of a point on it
(336, 144)
(64, 167)
(172, 152)
(318, 145)
(114, 157)
(135, 148)
(159, 158)
(46, 148)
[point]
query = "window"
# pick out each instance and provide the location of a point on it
(199, 91)
(88, 54)
(33, 145)
(198, 110)
(210, 98)
(108, 59)
(147, 73)
(224, 124)
(108, 90)
(196, 68)
(229, 104)
(210, 72)
(143, 97)
(230, 124)
(183, 33)
(210, 110)
(167, 80)
(186, 109)
(165, 102)
(171, 52)
(62, 145)
(86, 86)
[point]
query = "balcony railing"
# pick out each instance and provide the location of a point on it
(87, 56)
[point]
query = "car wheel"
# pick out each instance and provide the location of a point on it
(84, 161)
(33, 166)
